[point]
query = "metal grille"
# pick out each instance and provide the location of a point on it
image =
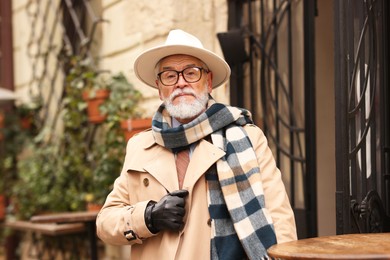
(362, 127)
(272, 77)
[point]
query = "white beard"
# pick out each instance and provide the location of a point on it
(185, 110)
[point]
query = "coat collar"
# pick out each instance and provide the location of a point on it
(161, 164)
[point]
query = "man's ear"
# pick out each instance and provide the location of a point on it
(210, 81)
(159, 91)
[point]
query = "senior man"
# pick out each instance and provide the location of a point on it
(202, 182)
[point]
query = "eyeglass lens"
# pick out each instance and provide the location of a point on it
(171, 77)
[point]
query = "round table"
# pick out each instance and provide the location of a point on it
(350, 246)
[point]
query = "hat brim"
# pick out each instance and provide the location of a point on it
(145, 63)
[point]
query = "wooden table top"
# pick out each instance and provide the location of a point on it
(350, 246)
(66, 217)
(52, 229)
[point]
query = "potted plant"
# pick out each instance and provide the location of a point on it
(15, 137)
(83, 76)
(122, 107)
(108, 150)
(47, 183)
(88, 157)
(27, 111)
(94, 101)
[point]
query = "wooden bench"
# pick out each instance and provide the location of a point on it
(86, 217)
(40, 245)
(51, 229)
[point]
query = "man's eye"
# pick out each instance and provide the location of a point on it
(169, 75)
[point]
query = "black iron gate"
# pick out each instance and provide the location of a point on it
(272, 62)
(362, 122)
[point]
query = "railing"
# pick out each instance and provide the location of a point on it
(273, 82)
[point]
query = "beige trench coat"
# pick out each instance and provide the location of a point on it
(149, 173)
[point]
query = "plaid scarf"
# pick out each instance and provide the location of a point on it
(235, 192)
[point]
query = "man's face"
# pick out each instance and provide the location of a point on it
(184, 100)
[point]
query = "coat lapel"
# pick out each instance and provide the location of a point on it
(161, 165)
(202, 158)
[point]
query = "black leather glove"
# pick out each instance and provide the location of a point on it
(168, 213)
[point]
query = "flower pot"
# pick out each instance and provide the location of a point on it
(94, 206)
(26, 122)
(132, 126)
(1, 125)
(94, 102)
(2, 207)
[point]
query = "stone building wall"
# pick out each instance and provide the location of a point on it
(130, 27)
(138, 25)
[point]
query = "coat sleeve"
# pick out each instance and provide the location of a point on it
(119, 222)
(276, 199)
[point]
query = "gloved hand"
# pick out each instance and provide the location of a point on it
(168, 213)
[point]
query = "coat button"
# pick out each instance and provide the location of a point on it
(209, 222)
(146, 182)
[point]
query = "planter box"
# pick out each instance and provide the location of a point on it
(132, 126)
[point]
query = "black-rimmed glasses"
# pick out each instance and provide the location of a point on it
(190, 75)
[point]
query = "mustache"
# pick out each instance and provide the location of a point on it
(178, 92)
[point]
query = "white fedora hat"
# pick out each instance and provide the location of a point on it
(180, 42)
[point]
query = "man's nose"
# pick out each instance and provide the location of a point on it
(180, 80)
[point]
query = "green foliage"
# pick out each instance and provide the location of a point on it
(15, 137)
(109, 149)
(53, 174)
(50, 179)
(83, 75)
(38, 186)
(106, 161)
(124, 100)
(63, 169)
